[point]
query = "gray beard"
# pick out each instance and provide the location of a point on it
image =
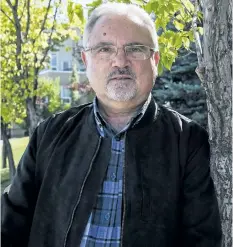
(121, 90)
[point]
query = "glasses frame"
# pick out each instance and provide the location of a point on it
(153, 50)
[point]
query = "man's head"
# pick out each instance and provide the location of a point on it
(121, 53)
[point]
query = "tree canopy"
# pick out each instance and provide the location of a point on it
(30, 29)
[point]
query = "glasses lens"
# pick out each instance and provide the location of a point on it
(138, 52)
(104, 52)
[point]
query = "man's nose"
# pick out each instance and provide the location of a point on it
(120, 59)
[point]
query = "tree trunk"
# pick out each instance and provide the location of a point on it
(33, 118)
(9, 152)
(4, 156)
(216, 77)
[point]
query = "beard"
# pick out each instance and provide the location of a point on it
(121, 89)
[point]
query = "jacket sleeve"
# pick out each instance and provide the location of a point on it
(19, 199)
(201, 220)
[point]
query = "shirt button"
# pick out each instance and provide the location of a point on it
(113, 176)
(107, 216)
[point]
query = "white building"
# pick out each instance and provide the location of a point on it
(61, 63)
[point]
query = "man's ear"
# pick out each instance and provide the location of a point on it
(84, 57)
(156, 57)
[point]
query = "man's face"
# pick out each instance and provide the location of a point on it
(120, 79)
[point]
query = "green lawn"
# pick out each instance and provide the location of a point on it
(18, 147)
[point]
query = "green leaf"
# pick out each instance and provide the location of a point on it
(189, 5)
(177, 40)
(179, 26)
(200, 15)
(160, 68)
(167, 62)
(200, 30)
(191, 35)
(137, 2)
(186, 42)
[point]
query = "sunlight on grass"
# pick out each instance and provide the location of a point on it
(18, 147)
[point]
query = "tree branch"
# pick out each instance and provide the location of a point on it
(50, 36)
(16, 3)
(45, 19)
(36, 72)
(28, 19)
(196, 35)
(7, 15)
(18, 32)
(9, 3)
(37, 69)
(187, 55)
(23, 10)
(200, 70)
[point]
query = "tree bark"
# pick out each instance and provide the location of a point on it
(33, 118)
(4, 156)
(9, 152)
(215, 73)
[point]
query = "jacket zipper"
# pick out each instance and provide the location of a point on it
(77, 203)
(124, 204)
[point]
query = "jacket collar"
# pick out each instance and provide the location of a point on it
(149, 113)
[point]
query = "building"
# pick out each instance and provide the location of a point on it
(61, 64)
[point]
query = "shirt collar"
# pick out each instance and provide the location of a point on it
(103, 126)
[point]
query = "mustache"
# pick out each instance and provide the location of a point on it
(122, 71)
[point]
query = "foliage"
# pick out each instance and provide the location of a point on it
(50, 100)
(181, 89)
(74, 80)
(29, 30)
(187, 99)
(49, 91)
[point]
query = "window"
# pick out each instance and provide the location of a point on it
(66, 101)
(65, 94)
(53, 61)
(66, 66)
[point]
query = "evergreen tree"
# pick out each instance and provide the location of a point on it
(181, 88)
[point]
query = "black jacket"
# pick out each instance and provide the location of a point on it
(168, 200)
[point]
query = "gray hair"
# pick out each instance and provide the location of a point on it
(130, 10)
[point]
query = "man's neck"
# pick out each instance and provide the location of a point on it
(118, 118)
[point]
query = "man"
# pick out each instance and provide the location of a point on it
(121, 171)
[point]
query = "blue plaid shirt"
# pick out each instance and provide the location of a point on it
(104, 225)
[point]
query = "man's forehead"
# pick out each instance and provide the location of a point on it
(111, 28)
(116, 20)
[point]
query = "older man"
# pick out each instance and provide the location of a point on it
(121, 171)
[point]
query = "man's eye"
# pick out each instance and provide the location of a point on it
(104, 49)
(135, 49)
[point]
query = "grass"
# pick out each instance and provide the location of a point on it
(18, 147)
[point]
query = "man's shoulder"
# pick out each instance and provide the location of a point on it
(72, 112)
(66, 117)
(177, 121)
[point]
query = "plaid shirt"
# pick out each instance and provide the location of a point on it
(104, 225)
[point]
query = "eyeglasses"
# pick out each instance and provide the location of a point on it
(132, 52)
